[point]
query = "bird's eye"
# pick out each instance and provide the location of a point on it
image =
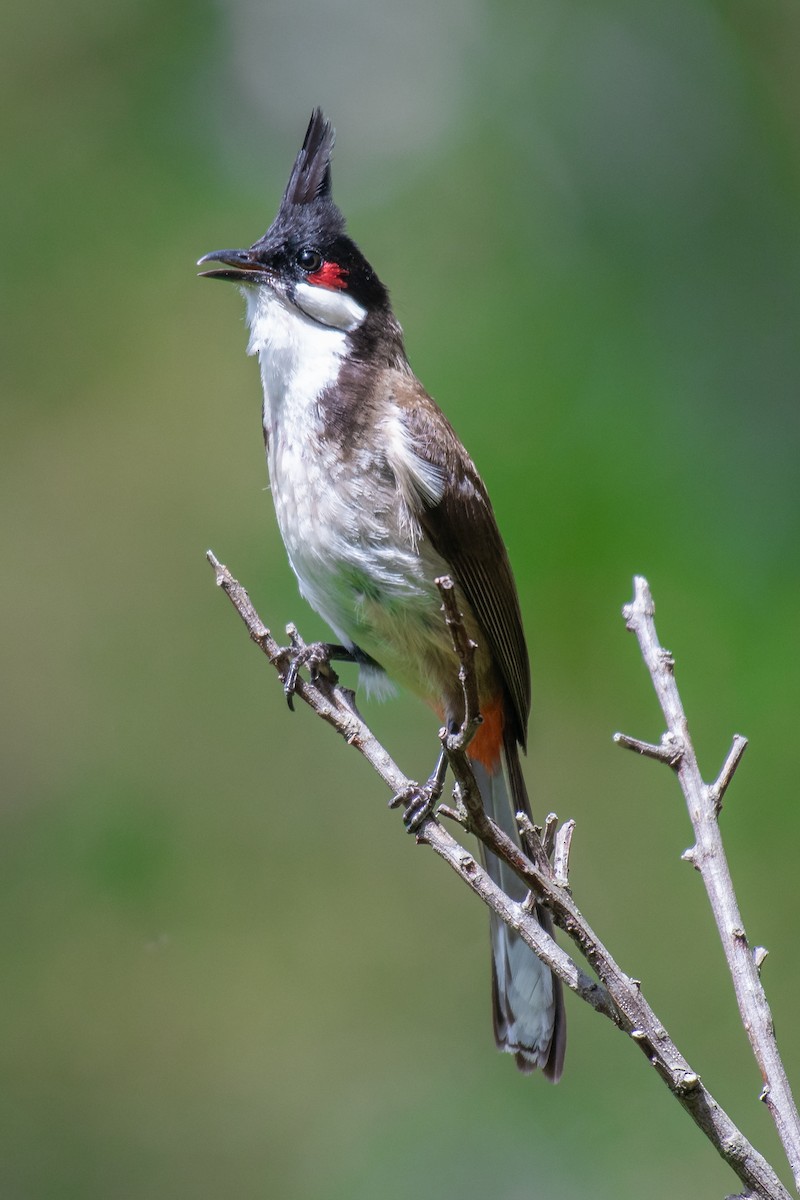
(309, 260)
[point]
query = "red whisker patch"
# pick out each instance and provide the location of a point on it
(330, 275)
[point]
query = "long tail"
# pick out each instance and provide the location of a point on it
(527, 1000)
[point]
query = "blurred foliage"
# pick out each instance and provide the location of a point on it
(226, 972)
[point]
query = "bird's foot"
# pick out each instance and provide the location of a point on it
(316, 656)
(419, 800)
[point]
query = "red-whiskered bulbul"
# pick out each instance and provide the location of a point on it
(375, 498)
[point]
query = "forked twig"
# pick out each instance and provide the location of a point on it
(617, 996)
(704, 802)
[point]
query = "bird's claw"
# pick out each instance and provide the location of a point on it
(316, 656)
(418, 801)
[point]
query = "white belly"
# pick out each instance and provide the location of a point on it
(350, 544)
(358, 556)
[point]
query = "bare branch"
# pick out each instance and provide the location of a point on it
(667, 751)
(708, 856)
(617, 996)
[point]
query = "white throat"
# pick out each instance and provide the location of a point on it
(300, 353)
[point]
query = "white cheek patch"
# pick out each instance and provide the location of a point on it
(329, 306)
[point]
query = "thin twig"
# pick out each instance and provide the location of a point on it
(465, 650)
(667, 751)
(549, 830)
(561, 853)
(616, 996)
(708, 856)
(718, 789)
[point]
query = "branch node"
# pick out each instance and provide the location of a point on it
(467, 863)
(759, 954)
(642, 604)
(666, 660)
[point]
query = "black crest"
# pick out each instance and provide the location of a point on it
(310, 179)
(307, 212)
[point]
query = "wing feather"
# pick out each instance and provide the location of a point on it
(460, 523)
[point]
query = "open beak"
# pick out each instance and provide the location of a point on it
(239, 266)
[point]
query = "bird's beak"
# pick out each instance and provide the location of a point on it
(239, 267)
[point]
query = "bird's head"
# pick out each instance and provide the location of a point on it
(305, 259)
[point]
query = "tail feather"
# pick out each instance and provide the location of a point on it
(527, 999)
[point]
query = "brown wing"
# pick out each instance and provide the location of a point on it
(462, 528)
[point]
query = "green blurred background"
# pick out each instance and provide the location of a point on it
(225, 969)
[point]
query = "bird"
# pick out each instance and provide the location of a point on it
(376, 498)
